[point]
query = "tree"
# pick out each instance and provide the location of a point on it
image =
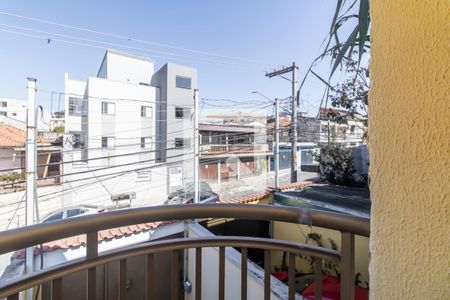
(343, 51)
(335, 164)
(352, 95)
(58, 129)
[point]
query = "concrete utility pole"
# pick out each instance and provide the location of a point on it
(294, 105)
(277, 147)
(196, 148)
(30, 172)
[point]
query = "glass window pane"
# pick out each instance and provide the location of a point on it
(74, 212)
(183, 82)
(55, 217)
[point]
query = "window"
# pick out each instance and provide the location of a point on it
(181, 143)
(14, 114)
(74, 212)
(179, 112)
(76, 107)
(146, 142)
(182, 112)
(146, 111)
(108, 108)
(3, 113)
(108, 142)
(55, 217)
(183, 82)
(4, 104)
(55, 160)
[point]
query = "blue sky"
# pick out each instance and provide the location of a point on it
(262, 34)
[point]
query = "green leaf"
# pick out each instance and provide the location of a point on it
(321, 79)
(336, 13)
(350, 41)
(363, 25)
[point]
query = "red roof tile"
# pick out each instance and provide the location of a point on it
(11, 136)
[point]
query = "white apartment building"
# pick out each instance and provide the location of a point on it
(17, 109)
(130, 130)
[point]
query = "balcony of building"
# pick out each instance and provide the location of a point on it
(181, 259)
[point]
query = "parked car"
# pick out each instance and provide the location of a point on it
(70, 212)
(188, 198)
(204, 188)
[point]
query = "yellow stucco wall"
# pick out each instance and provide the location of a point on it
(409, 149)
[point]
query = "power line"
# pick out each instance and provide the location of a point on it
(101, 169)
(103, 48)
(118, 45)
(122, 37)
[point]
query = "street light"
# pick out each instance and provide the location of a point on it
(256, 92)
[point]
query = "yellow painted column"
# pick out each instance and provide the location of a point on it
(409, 134)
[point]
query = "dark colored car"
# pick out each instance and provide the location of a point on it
(189, 189)
(186, 196)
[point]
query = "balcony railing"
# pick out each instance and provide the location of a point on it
(91, 224)
(231, 148)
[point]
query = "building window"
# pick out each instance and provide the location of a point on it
(181, 143)
(108, 108)
(3, 113)
(55, 160)
(108, 142)
(4, 104)
(14, 114)
(183, 82)
(146, 111)
(146, 142)
(76, 107)
(179, 112)
(182, 112)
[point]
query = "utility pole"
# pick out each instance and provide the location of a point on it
(277, 147)
(196, 148)
(294, 105)
(30, 172)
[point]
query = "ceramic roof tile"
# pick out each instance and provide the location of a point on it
(11, 136)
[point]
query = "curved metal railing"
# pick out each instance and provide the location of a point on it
(90, 225)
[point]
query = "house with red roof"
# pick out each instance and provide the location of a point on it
(12, 153)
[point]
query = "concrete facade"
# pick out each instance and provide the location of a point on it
(119, 126)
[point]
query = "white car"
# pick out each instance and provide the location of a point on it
(70, 212)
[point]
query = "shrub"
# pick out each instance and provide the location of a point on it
(58, 129)
(335, 164)
(12, 176)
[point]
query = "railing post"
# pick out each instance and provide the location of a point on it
(266, 274)
(198, 273)
(175, 275)
(318, 279)
(123, 279)
(150, 276)
(57, 289)
(291, 276)
(221, 273)
(91, 253)
(244, 256)
(348, 266)
(13, 297)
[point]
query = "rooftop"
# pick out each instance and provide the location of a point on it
(14, 137)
